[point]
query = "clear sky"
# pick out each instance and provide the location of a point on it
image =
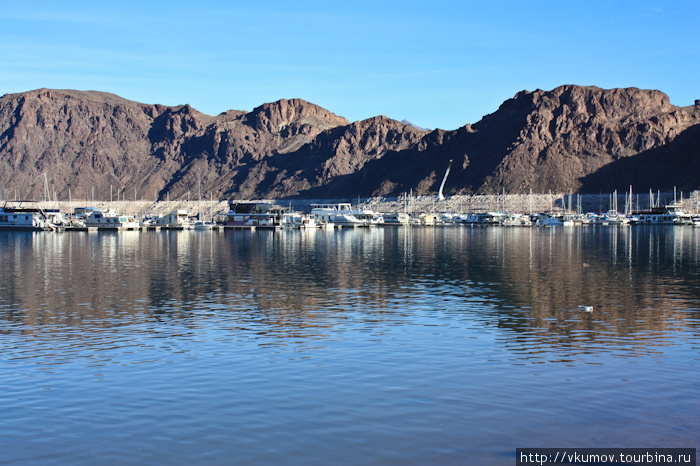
(437, 64)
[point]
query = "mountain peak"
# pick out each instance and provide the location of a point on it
(276, 116)
(408, 123)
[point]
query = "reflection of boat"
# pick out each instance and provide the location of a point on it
(110, 220)
(27, 219)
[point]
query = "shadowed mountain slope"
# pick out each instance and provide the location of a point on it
(573, 138)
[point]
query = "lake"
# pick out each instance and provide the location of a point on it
(405, 345)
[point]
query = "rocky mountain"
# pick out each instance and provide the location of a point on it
(573, 138)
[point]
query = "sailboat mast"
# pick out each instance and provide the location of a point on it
(444, 178)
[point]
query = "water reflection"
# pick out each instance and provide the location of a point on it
(314, 285)
(385, 346)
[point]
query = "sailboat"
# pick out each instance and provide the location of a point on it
(201, 224)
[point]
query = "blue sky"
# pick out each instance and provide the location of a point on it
(437, 64)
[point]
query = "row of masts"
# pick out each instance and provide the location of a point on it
(571, 203)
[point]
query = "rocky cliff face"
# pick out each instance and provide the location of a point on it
(572, 132)
(572, 138)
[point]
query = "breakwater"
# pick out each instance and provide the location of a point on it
(520, 203)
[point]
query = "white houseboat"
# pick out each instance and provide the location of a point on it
(110, 220)
(340, 214)
(669, 215)
(298, 220)
(397, 218)
(29, 219)
(175, 220)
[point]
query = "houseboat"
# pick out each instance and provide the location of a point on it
(397, 218)
(668, 215)
(548, 220)
(175, 220)
(341, 214)
(296, 220)
(29, 219)
(255, 214)
(110, 220)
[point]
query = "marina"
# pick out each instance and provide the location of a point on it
(479, 210)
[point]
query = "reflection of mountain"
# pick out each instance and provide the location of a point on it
(640, 281)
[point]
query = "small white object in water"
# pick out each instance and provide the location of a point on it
(586, 308)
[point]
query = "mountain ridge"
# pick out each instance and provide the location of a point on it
(572, 138)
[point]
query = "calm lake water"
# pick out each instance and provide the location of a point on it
(450, 345)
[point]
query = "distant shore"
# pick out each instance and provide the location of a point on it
(521, 203)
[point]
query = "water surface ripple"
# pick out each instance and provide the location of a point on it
(372, 346)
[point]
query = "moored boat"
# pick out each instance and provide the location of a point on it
(669, 215)
(341, 214)
(397, 218)
(175, 220)
(110, 220)
(254, 214)
(548, 220)
(203, 225)
(296, 220)
(26, 219)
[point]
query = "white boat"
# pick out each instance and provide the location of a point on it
(428, 218)
(669, 215)
(296, 220)
(203, 225)
(472, 218)
(347, 220)
(547, 220)
(25, 219)
(491, 218)
(110, 220)
(397, 218)
(515, 219)
(613, 217)
(368, 216)
(175, 220)
(340, 214)
(149, 221)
